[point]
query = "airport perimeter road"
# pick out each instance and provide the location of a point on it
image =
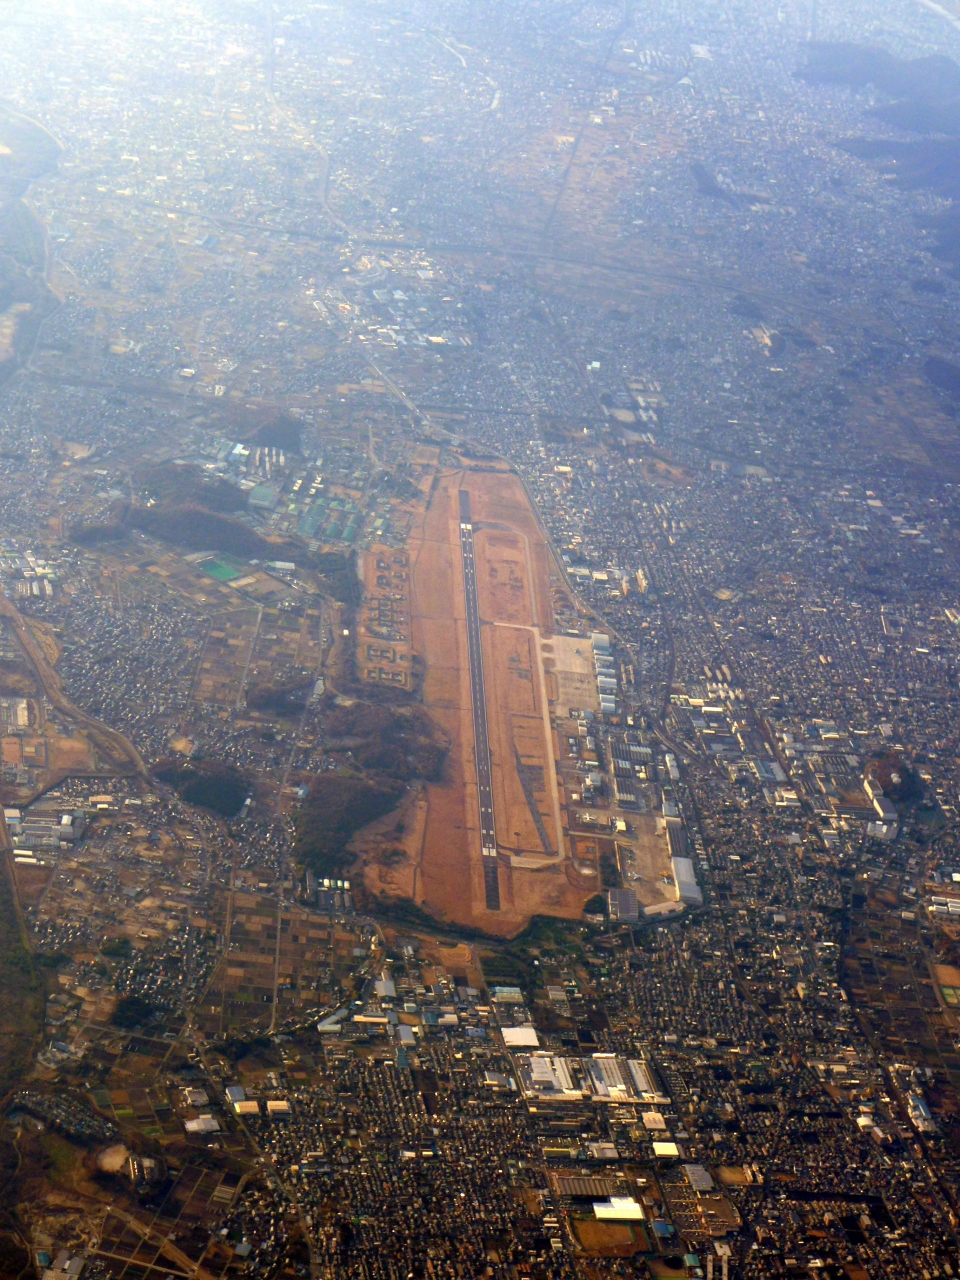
(481, 739)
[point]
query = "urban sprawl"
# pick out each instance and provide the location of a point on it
(480, 640)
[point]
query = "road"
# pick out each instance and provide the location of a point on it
(246, 667)
(167, 1248)
(481, 737)
(108, 741)
(281, 872)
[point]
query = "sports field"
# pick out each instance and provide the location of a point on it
(220, 570)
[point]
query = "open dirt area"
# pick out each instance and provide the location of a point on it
(608, 1239)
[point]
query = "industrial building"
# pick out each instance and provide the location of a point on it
(603, 1077)
(685, 880)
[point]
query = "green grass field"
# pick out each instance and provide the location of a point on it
(219, 570)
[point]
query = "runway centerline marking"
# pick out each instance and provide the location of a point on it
(481, 736)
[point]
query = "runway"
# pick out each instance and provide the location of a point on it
(481, 739)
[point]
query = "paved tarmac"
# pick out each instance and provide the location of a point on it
(481, 739)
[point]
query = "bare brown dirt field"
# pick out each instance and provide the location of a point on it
(607, 1239)
(31, 882)
(446, 960)
(441, 866)
(46, 640)
(69, 753)
(522, 754)
(390, 849)
(586, 851)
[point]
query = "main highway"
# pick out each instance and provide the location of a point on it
(481, 738)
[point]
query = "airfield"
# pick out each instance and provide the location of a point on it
(489, 846)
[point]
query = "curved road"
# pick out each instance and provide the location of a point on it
(111, 743)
